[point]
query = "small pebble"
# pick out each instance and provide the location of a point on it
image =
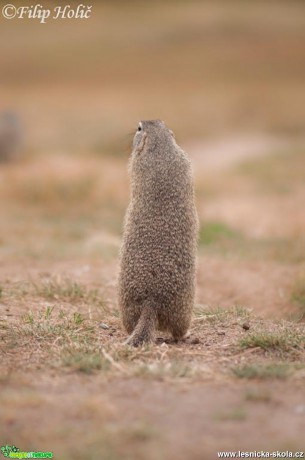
(104, 326)
(194, 341)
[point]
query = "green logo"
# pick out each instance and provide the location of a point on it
(14, 452)
(6, 450)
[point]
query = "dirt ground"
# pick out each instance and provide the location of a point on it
(70, 386)
(232, 89)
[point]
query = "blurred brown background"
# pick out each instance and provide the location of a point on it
(228, 77)
(207, 68)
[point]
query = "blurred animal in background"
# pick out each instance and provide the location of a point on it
(10, 136)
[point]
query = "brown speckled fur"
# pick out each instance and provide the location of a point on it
(158, 254)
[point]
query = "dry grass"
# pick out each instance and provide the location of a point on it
(265, 371)
(298, 296)
(205, 68)
(54, 338)
(282, 341)
(60, 322)
(66, 290)
(79, 343)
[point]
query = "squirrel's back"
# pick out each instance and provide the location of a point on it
(158, 255)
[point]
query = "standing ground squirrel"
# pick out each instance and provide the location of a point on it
(10, 136)
(158, 254)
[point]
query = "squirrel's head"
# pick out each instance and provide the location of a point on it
(151, 134)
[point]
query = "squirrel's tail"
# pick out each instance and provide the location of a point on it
(145, 329)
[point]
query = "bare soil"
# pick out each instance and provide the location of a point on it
(70, 386)
(229, 80)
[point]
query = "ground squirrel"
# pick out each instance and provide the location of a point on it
(158, 254)
(10, 136)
